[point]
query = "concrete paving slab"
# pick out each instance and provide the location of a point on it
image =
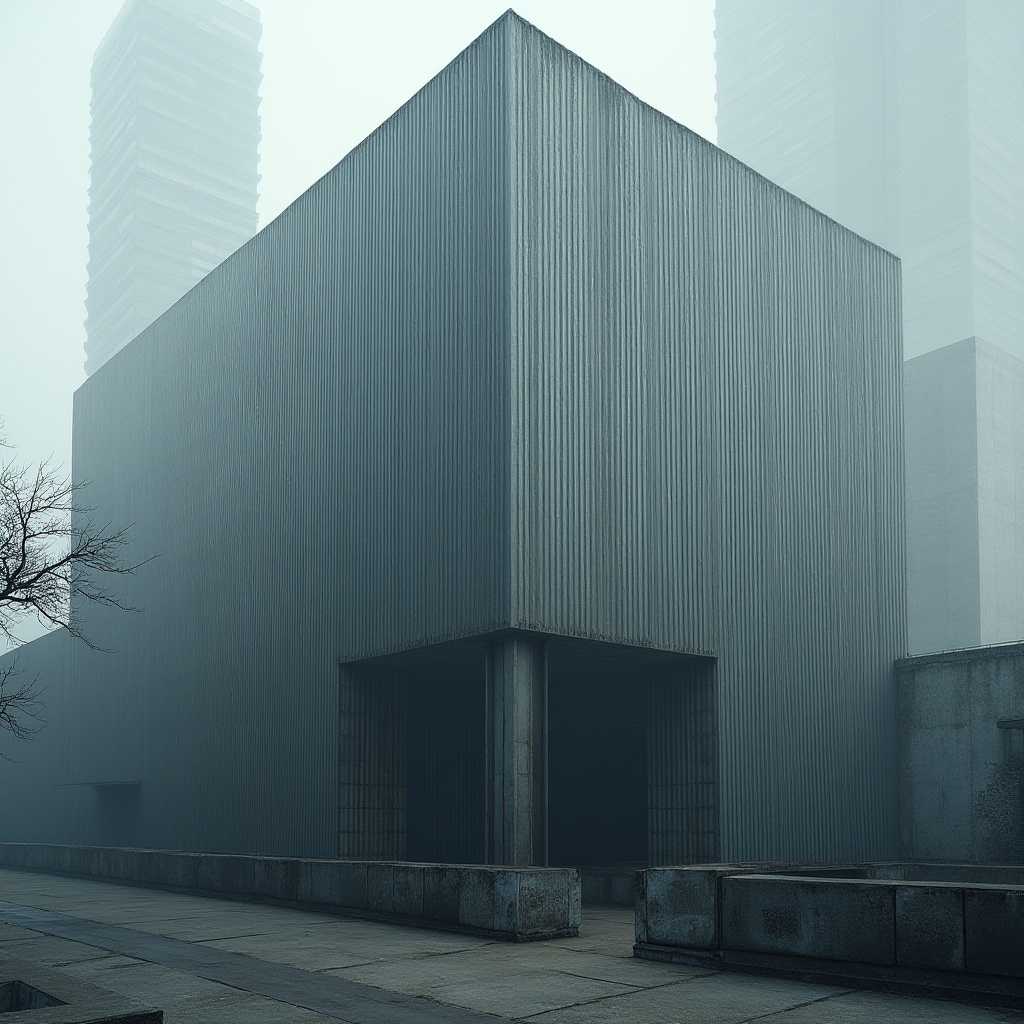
(522, 993)
(871, 1007)
(296, 952)
(412, 974)
(709, 999)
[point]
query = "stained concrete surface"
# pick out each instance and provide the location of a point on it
(396, 973)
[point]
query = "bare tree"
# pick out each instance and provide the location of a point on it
(50, 549)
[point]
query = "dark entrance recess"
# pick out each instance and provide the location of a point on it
(445, 822)
(597, 758)
(598, 797)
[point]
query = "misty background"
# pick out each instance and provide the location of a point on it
(333, 70)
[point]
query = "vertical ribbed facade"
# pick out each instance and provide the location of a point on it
(901, 118)
(533, 357)
(707, 445)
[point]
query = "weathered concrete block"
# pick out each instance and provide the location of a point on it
(210, 873)
(543, 902)
(409, 890)
(162, 867)
(476, 897)
(319, 882)
(131, 865)
(575, 899)
(82, 860)
(97, 862)
(441, 893)
(277, 877)
(517, 903)
(147, 872)
(994, 931)
(226, 873)
(832, 919)
(679, 907)
(115, 864)
(930, 927)
(380, 888)
(640, 907)
(506, 901)
(352, 885)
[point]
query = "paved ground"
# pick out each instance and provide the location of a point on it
(206, 960)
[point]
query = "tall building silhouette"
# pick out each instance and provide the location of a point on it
(175, 138)
(902, 119)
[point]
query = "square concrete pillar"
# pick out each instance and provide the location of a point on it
(517, 752)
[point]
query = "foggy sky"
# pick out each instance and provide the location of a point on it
(333, 71)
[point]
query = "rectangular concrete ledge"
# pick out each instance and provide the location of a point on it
(873, 925)
(30, 992)
(516, 904)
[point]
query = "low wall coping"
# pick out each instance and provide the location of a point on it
(963, 938)
(519, 904)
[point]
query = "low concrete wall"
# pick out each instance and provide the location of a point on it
(961, 743)
(608, 887)
(957, 937)
(519, 904)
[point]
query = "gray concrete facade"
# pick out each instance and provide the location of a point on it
(533, 376)
(961, 718)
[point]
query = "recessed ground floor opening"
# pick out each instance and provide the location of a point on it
(530, 750)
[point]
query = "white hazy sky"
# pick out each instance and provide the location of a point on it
(333, 70)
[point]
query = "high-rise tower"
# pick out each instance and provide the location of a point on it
(175, 138)
(902, 119)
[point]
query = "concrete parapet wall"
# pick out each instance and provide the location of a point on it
(519, 904)
(871, 924)
(961, 748)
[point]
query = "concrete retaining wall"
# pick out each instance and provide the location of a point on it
(962, 755)
(967, 937)
(520, 904)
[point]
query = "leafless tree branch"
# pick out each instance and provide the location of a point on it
(20, 706)
(51, 549)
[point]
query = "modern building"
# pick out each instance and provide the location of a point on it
(530, 490)
(174, 180)
(902, 119)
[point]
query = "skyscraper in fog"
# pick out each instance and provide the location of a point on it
(175, 138)
(903, 120)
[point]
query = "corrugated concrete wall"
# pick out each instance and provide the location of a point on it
(707, 432)
(531, 356)
(961, 775)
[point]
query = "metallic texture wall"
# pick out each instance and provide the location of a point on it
(707, 445)
(532, 356)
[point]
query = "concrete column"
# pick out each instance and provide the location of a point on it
(517, 753)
